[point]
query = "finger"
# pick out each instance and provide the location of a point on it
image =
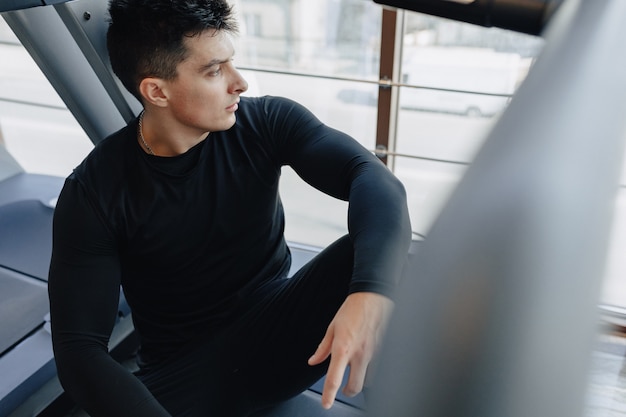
(356, 378)
(323, 350)
(334, 377)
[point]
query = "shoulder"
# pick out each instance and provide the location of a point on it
(264, 102)
(272, 106)
(276, 115)
(106, 169)
(108, 156)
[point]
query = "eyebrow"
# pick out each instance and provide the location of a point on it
(213, 63)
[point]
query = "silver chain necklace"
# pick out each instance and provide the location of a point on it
(143, 140)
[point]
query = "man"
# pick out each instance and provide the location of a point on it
(181, 208)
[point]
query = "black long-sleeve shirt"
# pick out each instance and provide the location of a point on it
(189, 236)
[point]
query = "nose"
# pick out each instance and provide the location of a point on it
(238, 85)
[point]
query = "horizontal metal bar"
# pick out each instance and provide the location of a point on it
(384, 152)
(32, 103)
(386, 83)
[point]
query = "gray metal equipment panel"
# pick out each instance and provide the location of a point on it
(26, 186)
(25, 370)
(26, 238)
(500, 314)
(308, 404)
(527, 16)
(23, 306)
(73, 73)
(8, 164)
(7, 5)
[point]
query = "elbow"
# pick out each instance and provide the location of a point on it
(399, 189)
(74, 361)
(398, 193)
(68, 367)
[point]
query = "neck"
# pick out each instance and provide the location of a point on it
(157, 137)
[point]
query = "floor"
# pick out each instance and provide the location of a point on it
(607, 388)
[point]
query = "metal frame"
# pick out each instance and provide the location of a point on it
(80, 71)
(526, 16)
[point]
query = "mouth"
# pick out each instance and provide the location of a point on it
(233, 107)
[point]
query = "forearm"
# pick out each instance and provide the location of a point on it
(380, 228)
(102, 386)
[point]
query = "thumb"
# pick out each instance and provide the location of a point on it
(323, 350)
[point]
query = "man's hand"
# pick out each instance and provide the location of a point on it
(352, 339)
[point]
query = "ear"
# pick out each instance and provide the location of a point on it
(152, 91)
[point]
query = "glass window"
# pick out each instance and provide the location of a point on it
(324, 37)
(614, 289)
(323, 54)
(36, 129)
(313, 217)
(455, 79)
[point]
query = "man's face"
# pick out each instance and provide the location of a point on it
(205, 93)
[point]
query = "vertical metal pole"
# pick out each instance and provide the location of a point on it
(386, 76)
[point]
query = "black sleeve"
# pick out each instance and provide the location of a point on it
(336, 164)
(83, 287)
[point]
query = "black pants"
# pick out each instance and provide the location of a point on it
(262, 358)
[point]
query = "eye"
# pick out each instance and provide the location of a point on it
(215, 72)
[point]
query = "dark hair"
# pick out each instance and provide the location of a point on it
(146, 37)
